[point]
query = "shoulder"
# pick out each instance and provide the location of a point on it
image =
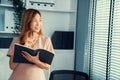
(45, 38)
(16, 39)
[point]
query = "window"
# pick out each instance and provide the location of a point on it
(105, 40)
(115, 49)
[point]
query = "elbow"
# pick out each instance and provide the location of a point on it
(11, 67)
(47, 67)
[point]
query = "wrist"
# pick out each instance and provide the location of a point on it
(35, 61)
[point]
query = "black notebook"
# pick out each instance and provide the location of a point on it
(45, 56)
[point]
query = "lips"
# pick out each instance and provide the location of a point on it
(37, 29)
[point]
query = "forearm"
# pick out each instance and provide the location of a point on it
(42, 65)
(11, 64)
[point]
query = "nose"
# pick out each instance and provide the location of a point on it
(37, 23)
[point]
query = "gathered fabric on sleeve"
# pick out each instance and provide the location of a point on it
(49, 45)
(11, 48)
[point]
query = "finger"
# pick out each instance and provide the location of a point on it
(38, 53)
(24, 55)
(24, 52)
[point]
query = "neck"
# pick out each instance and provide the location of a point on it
(33, 35)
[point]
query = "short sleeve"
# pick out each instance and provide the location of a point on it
(11, 48)
(49, 45)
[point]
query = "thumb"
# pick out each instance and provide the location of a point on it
(38, 53)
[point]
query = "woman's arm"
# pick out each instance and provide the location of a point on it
(42, 64)
(35, 60)
(10, 53)
(12, 65)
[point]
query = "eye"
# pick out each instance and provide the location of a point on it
(33, 20)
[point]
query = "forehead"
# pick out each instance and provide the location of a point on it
(37, 16)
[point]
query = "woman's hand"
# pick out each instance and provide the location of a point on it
(30, 57)
(35, 60)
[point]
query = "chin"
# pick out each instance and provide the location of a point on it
(36, 31)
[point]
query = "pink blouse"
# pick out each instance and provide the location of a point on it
(30, 71)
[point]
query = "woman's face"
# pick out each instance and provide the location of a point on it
(36, 24)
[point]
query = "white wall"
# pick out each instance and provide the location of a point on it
(5, 71)
(54, 21)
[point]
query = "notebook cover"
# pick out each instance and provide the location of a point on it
(45, 56)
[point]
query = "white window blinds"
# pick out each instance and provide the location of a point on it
(105, 40)
(99, 54)
(115, 51)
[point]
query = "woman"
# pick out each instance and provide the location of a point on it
(30, 35)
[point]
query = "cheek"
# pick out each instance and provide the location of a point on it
(40, 26)
(36, 26)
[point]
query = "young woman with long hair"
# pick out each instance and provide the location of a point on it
(31, 36)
